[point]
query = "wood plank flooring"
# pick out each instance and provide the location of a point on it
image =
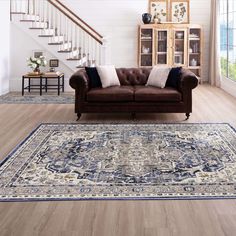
(119, 218)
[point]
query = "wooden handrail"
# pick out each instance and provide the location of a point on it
(82, 24)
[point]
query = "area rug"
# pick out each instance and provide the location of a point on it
(17, 98)
(122, 161)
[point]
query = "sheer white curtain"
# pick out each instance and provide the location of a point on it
(214, 64)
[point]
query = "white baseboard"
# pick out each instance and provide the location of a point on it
(16, 85)
(229, 86)
(4, 91)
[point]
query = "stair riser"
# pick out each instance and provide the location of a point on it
(39, 25)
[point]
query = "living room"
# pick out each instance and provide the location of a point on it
(117, 117)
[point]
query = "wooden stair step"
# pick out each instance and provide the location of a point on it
(73, 59)
(56, 43)
(36, 28)
(64, 51)
(18, 13)
(27, 20)
(46, 35)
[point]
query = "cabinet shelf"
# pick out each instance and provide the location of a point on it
(170, 44)
(194, 67)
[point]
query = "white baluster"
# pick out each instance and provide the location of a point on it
(71, 38)
(79, 41)
(60, 25)
(75, 41)
(39, 12)
(94, 52)
(35, 12)
(56, 22)
(44, 12)
(99, 54)
(83, 44)
(21, 5)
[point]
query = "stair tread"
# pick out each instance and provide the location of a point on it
(64, 51)
(27, 20)
(73, 59)
(45, 35)
(36, 28)
(18, 13)
(56, 43)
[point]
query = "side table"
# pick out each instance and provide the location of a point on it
(43, 83)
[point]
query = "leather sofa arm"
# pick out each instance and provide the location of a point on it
(80, 82)
(188, 80)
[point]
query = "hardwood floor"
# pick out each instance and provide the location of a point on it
(108, 218)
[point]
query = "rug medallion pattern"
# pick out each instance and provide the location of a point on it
(122, 161)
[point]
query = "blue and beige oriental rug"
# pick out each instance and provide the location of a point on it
(122, 161)
(35, 98)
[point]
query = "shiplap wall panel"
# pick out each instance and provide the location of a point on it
(119, 20)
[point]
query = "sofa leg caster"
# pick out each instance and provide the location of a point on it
(187, 116)
(78, 116)
(133, 115)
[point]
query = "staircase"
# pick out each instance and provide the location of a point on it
(59, 31)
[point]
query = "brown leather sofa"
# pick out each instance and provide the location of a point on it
(133, 96)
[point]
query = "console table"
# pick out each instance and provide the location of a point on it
(43, 83)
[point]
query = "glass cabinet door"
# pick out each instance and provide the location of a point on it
(146, 47)
(179, 47)
(194, 50)
(162, 51)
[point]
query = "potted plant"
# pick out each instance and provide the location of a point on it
(35, 63)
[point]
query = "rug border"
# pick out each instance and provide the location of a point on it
(120, 199)
(112, 199)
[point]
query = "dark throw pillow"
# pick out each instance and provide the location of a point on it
(94, 78)
(174, 77)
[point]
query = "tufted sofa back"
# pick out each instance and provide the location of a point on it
(133, 76)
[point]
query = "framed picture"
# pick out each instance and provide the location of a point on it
(158, 9)
(179, 11)
(37, 53)
(54, 63)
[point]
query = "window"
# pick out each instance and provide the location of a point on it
(228, 38)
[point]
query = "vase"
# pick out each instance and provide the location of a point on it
(147, 18)
(37, 70)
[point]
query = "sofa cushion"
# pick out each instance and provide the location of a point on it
(111, 94)
(158, 76)
(174, 77)
(108, 76)
(154, 94)
(94, 78)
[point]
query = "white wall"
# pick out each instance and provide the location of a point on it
(119, 19)
(4, 46)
